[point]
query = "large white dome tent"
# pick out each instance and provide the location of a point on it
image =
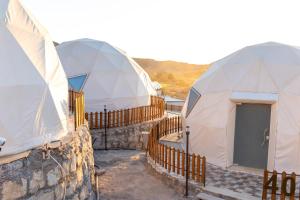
(33, 85)
(245, 109)
(106, 75)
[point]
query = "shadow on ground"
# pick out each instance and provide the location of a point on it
(128, 177)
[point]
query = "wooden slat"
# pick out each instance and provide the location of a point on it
(108, 119)
(198, 169)
(113, 119)
(158, 153)
(166, 156)
(193, 166)
(182, 163)
(169, 159)
(265, 180)
(173, 160)
(188, 167)
(274, 187)
(87, 116)
(91, 121)
(292, 197)
(101, 120)
(283, 187)
(162, 155)
(203, 171)
(96, 119)
(178, 161)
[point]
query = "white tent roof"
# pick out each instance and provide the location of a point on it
(265, 73)
(156, 85)
(112, 78)
(33, 85)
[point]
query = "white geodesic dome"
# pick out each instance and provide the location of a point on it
(33, 85)
(266, 73)
(106, 75)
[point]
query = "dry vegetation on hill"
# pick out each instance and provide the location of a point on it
(176, 78)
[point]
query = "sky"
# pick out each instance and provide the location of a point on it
(193, 31)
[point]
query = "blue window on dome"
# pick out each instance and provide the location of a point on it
(194, 96)
(77, 82)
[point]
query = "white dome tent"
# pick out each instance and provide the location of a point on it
(105, 74)
(245, 109)
(33, 85)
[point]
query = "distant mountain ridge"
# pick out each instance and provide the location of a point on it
(175, 77)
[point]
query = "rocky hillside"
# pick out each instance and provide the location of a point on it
(176, 78)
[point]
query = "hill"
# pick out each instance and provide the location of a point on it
(176, 78)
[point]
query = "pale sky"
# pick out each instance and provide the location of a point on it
(194, 31)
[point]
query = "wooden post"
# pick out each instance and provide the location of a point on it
(178, 129)
(166, 156)
(169, 159)
(133, 116)
(121, 118)
(274, 186)
(101, 120)
(283, 186)
(293, 189)
(188, 167)
(113, 118)
(265, 180)
(166, 126)
(183, 163)
(162, 155)
(203, 170)
(125, 117)
(193, 166)
(117, 118)
(130, 117)
(158, 153)
(173, 161)
(178, 161)
(198, 169)
(96, 120)
(91, 120)
(87, 116)
(109, 120)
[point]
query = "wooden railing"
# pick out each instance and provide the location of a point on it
(173, 108)
(174, 159)
(280, 186)
(76, 107)
(126, 117)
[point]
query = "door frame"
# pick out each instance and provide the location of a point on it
(230, 131)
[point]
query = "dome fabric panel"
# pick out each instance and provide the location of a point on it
(33, 85)
(269, 69)
(114, 79)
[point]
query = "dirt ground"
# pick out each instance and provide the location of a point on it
(128, 177)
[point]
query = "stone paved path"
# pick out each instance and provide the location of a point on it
(236, 181)
(129, 177)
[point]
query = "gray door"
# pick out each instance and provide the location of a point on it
(251, 138)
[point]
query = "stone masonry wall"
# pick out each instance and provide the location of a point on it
(129, 137)
(36, 177)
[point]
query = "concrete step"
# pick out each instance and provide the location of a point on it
(214, 193)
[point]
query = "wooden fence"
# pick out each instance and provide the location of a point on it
(174, 159)
(126, 117)
(280, 186)
(76, 106)
(173, 108)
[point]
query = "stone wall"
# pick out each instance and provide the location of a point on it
(41, 177)
(129, 137)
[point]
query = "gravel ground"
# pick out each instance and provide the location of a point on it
(128, 177)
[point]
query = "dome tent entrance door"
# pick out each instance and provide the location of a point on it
(252, 135)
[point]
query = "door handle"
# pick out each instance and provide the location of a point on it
(266, 136)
